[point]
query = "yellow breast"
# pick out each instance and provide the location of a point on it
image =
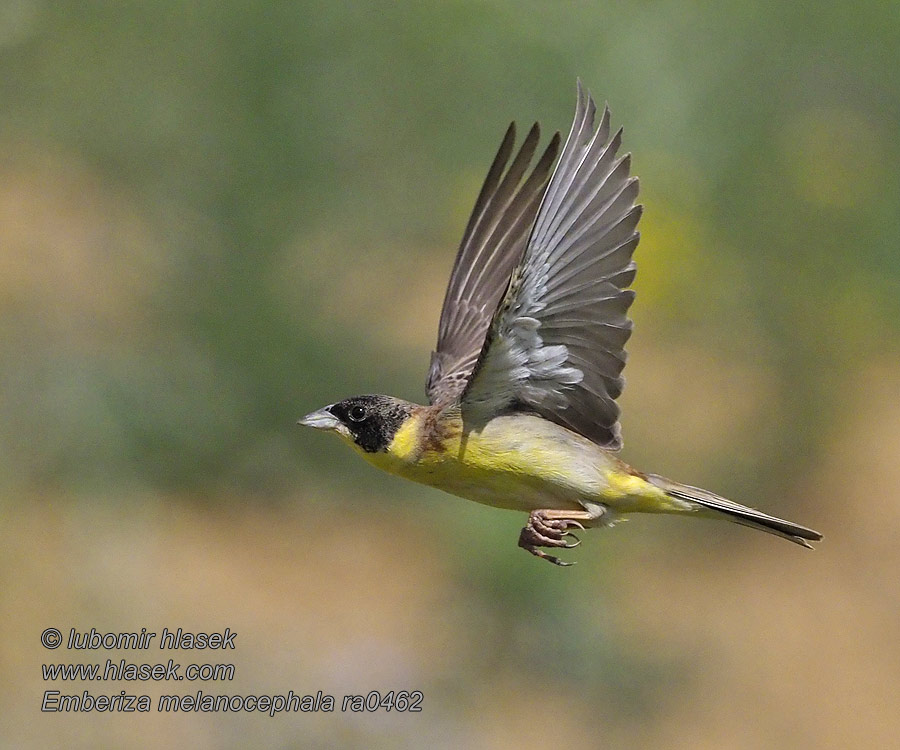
(518, 461)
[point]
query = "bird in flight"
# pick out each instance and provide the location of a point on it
(523, 382)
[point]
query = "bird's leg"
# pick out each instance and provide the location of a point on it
(550, 528)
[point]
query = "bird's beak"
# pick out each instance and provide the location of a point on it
(321, 420)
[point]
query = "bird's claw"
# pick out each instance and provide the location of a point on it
(541, 531)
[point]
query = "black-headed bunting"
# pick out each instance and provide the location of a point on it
(530, 351)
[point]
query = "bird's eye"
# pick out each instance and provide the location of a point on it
(357, 413)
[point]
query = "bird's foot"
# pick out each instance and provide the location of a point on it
(544, 531)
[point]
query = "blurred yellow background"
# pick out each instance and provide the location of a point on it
(216, 217)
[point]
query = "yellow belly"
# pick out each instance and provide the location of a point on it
(519, 462)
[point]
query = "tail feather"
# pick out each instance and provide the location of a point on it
(737, 513)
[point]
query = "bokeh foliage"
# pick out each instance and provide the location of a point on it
(215, 217)
(261, 153)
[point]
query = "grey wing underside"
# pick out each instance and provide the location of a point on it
(557, 342)
(492, 244)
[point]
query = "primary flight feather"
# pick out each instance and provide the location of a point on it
(523, 382)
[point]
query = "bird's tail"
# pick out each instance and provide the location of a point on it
(734, 512)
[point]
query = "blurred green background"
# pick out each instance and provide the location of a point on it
(215, 217)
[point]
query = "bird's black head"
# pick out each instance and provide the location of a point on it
(369, 421)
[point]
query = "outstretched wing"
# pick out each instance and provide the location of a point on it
(491, 246)
(556, 343)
